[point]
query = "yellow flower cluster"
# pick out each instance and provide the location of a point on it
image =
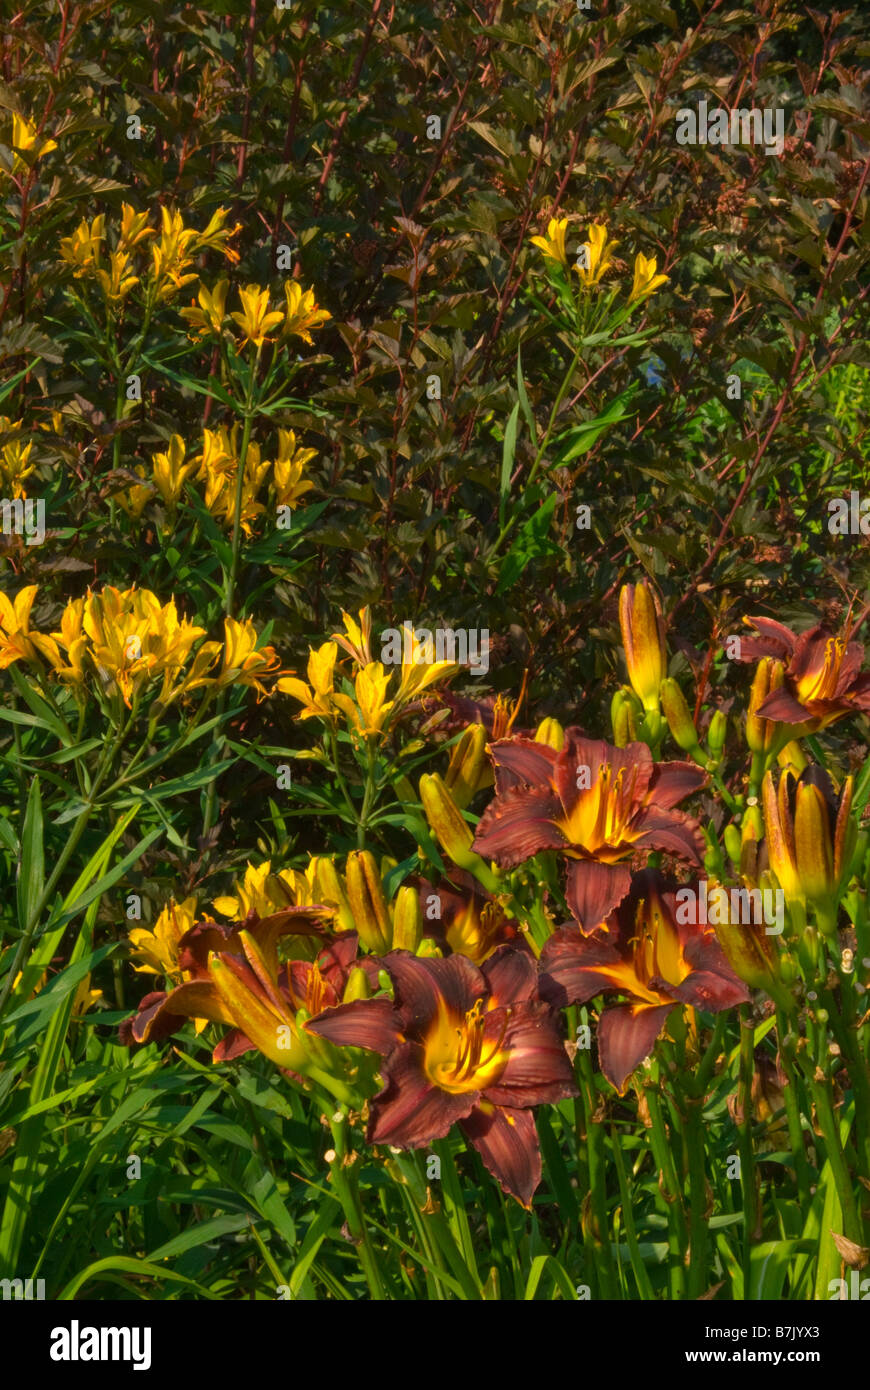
(373, 705)
(258, 324)
(598, 259)
(26, 141)
(15, 463)
(127, 639)
(217, 468)
(172, 254)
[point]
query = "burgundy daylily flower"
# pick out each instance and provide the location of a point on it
(162, 1012)
(594, 803)
(470, 922)
(822, 681)
(648, 955)
(461, 1044)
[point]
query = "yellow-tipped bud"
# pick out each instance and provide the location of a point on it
(824, 835)
(640, 620)
(793, 758)
(407, 920)
(452, 832)
(780, 834)
(357, 986)
(733, 842)
(717, 733)
(330, 892)
(762, 734)
(678, 715)
(550, 731)
(469, 768)
(368, 905)
(624, 709)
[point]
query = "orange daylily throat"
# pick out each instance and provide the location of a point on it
(458, 1058)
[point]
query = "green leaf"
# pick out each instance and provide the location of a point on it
(530, 544)
(507, 462)
(31, 865)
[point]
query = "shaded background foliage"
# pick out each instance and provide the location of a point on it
(311, 125)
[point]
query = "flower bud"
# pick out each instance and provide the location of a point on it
(824, 833)
(452, 832)
(733, 842)
(366, 896)
(407, 920)
(469, 768)
(792, 758)
(751, 953)
(330, 892)
(678, 715)
(624, 708)
(780, 834)
(357, 986)
(550, 731)
(640, 620)
(763, 734)
(717, 733)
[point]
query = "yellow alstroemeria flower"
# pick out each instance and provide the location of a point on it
(303, 313)
(290, 465)
(74, 643)
(134, 499)
(418, 674)
(316, 699)
(646, 281)
(371, 709)
(173, 254)
(215, 236)
(25, 139)
(170, 471)
(260, 891)
(17, 641)
(212, 311)
(553, 244)
(356, 638)
(133, 638)
(157, 947)
(15, 463)
(243, 664)
(118, 280)
(599, 253)
(255, 319)
(82, 249)
(134, 228)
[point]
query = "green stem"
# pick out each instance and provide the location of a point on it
(346, 1187)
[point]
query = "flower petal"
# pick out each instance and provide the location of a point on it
(537, 1071)
(574, 967)
(507, 1141)
(511, 975)
(627, 1034)
(424, 986)
(593, 890)
(670, 782)
(369, 1023)
(519, 760)
(410, 1111)
(517, 825)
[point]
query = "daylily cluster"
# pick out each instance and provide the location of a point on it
(121, 641)
(453, 988)
(216, 469)
(595, 259)
(371, 705)
(173, 254)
